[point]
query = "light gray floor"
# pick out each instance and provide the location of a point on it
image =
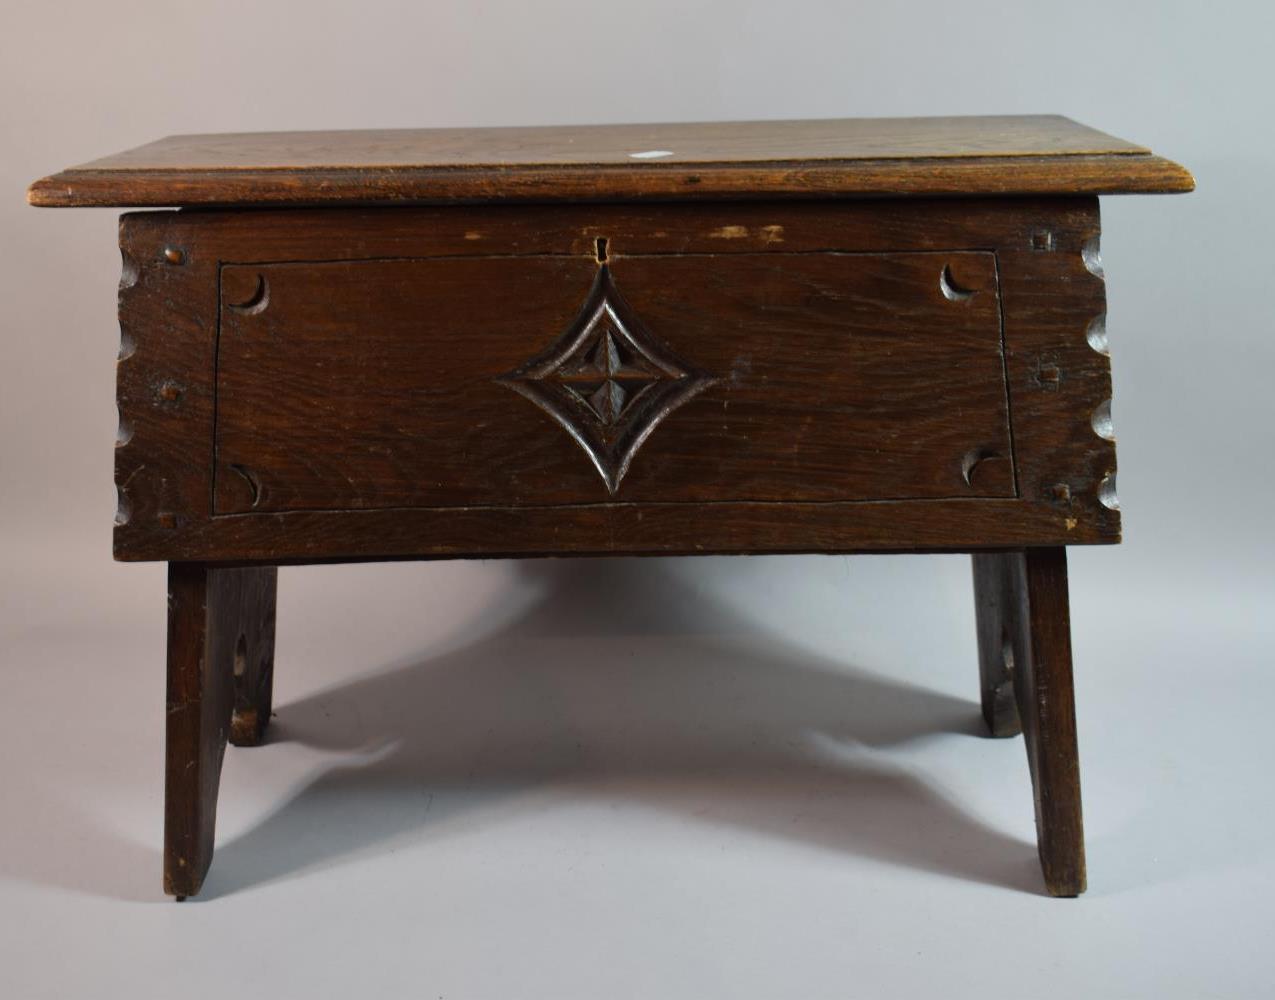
(635, 778)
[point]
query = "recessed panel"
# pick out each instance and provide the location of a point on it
(549, 380)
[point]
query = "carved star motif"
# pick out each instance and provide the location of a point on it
(607, 381)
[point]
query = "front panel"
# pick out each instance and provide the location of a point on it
(454, 381)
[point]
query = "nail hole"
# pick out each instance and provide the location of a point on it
(1042, 239)
(601, 250)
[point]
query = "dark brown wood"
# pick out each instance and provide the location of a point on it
(253, 665)
(876, 377)
(1025, 635)
(820, 378)
(220, 661)
(1020, 155)
(820, 336)
(995, 644)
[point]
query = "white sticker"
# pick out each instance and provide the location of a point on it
(651, 154)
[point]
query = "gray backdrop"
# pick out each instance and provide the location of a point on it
(1173, 628)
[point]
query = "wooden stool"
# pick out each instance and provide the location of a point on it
(822, 336)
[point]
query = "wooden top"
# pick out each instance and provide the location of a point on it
(851, 157)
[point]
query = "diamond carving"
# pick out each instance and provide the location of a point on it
(608, 381)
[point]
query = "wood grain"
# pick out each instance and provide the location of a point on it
(835, 377)
(812, 444)
(1032, 154)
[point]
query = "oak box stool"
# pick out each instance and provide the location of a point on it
(875, 335)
